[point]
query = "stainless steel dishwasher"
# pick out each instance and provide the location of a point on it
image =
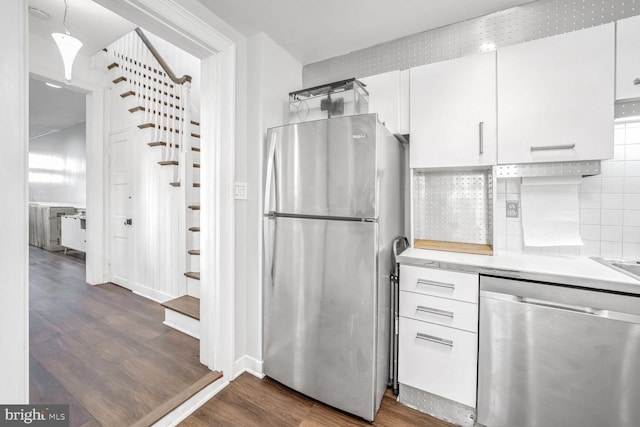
(552, 355)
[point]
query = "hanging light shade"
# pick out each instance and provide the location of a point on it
(68, 47)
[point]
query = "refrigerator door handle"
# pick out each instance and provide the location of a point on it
(269, 184)
(268, 241)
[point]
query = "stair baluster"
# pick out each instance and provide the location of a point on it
(165, 102)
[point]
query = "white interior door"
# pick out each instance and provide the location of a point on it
(120, 207)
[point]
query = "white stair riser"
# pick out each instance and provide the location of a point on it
(193, 288)
(194, 240)
(195, 216)
(194, 264)
(182, 323)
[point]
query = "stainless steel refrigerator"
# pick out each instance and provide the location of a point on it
(333, 205)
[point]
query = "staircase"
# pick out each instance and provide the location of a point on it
(159, 103)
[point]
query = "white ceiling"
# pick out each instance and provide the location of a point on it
(313, 30)
(53, 109)
(89, 22)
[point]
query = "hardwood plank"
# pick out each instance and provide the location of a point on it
(40, 329)
(249, 401)
(470, 248)
(187, 305)
(274, 398)
(177, 400)
(44, 388)
(102, 347)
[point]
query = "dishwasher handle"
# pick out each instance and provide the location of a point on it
(555, 305)
(560, 306)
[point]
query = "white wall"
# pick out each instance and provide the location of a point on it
(609, 206)
(271, 74)
(57, 167)
(14, 309)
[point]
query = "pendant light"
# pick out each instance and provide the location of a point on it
(67, 45)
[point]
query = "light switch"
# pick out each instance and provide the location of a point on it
(241, 191)
(512, 208)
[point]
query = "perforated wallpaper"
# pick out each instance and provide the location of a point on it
(535, 20)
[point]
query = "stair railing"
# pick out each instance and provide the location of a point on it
(165, 101)
(164, 97)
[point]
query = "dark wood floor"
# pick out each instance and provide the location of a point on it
(101, 349)
(249, 401)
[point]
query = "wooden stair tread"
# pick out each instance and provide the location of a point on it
(194, 275)
(175, 163)
(177, 184)
(155, 100)
(164, 128)
(164, 144)
(170, 405)
(194, 252)
(186, 304)
(194, 229)
(155, 113)
(194, 207)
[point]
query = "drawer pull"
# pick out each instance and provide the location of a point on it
(424, 282)
(439, 312)
(552, 147)
(436, 340)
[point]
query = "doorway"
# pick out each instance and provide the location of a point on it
(187, 27)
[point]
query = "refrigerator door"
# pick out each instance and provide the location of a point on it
(323, 168)
(320, 309)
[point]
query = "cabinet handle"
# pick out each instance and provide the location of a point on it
(436, 311)
(436, 340)
(424, 282)
(481, 136)
(552, 147)
(636, 81)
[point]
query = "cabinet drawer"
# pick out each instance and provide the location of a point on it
(443, 311)
(441, 283)
(439, 360)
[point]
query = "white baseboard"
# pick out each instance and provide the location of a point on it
(248, 364)
(188, 407)
(152, 294)
(185, 324)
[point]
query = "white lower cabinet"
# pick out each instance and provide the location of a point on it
(438, 333)
(439, 360)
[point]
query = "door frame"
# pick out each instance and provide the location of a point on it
(193, 30)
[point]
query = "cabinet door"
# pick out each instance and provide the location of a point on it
(628, 58)
(439, 360)
(555, 98)
(386, 97)
(453, 112)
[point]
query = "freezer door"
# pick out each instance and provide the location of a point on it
(323, 168)
(319, 310)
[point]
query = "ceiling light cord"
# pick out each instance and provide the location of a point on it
(64, 20)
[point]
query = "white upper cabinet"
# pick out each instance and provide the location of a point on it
(453, 112)
(556, 98)
(389, 97)
(628, 58)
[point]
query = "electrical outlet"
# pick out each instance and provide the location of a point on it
(241, 191)
(512, 208)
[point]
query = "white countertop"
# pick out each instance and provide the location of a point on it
(564, 269)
